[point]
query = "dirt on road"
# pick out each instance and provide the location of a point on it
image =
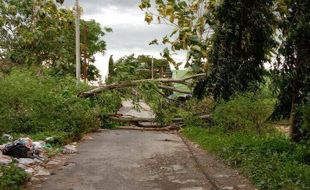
(141, 160)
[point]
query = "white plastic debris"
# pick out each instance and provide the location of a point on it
(5, 160)
(38, 146)
(50, 140)
(28, 161)
(29, 171)
(87, 137)
(69, 149)
(7, 137)
(42, 172)
(25, 141)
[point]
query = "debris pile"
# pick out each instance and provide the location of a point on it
(31, 156)
(24, 148)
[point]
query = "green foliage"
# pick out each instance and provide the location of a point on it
(42, 33)
(241, 44)
(191, 27)
(291, 70)
(271, 160)
(108, 103)
(12, 178)
(293, 60)
(111, 65)
(34, 104)
(305, 127)
(136, 68)
(245, 112)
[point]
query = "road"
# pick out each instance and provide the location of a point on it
(142, 160)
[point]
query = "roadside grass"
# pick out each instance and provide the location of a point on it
(12, 178)
(270, 160)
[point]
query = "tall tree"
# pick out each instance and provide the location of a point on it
(230, 40)
(191, 30)
(111, 65)
(41, 32)
(139, 67)
(241, 44)
(292, 69)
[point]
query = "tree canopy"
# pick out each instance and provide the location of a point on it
(138, 67)
(42, 33)
(231, 41)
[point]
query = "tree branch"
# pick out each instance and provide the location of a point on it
(173, 89)
(127, 84)
(152, 120)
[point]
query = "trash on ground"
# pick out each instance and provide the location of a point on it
(5, 160)
(42, 171)
(24, 148)
(27, 142)
(87, 137)
(28, 161)
(17, 150)
(50, 140)
(30, 171)
(69, 149)
(27, 155)
(7, 138)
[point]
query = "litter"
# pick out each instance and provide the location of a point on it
(7, 138)
(69, 149)
(23, 148)
(50, 140)
(28, 161)
(17, 151)
(5, 160)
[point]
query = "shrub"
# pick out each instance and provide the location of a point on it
(108, 103)
(246, 111)
(305, 128)
(270, 160)
(33, 104)
(12, 178)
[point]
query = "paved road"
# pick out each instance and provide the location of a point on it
(141, 160)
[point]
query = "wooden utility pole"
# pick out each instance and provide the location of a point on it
(152, 67)
(85, 54)
(77, 41)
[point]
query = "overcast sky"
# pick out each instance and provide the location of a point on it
(131, 34)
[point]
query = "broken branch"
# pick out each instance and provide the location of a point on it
(135, 83)
(153, 120)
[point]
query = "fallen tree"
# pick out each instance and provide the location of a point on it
(127, 84)
(152, 121)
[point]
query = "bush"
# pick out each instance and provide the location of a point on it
(33, 104)
(271, 160)
(12, 178)
(108, 103)
(246, 111)
(305, 128)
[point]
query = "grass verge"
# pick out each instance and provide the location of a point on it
(12, 178)
(271, 161)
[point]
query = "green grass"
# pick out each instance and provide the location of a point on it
(271, 161)
(12, 178)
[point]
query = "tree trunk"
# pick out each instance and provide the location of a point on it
(295, 128)
(127, 84)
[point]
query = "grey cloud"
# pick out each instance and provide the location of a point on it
(129, 37)
(96, 6)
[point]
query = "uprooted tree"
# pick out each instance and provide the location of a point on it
(132, 77)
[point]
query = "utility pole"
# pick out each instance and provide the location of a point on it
(85, 50)
(152, 67)
(77, 40)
